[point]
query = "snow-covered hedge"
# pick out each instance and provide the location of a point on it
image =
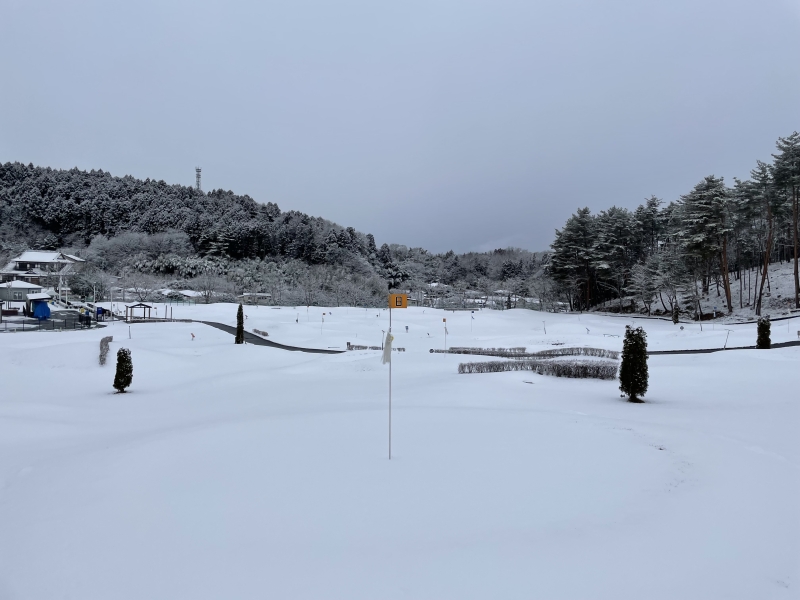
(104, 348)
(575, 368)
(578, 351)
(520, 352)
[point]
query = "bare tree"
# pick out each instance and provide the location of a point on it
(210, 285)
(141, 285)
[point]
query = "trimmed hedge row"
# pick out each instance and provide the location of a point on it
(574, 369)
(520, 352)
(579, 351)
(469, 350)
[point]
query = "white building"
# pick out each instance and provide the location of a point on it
(34, 266)
(16, 291)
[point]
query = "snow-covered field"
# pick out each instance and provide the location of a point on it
(250, 472)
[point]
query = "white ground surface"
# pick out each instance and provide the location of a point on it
(249, 472)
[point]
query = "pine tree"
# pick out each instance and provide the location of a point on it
(762, 341)
(633, 371)
(787, 175)
(240, 326)
(124, 374)
(573, 251)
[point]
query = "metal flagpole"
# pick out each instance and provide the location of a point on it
(390, 388)
(397, 301)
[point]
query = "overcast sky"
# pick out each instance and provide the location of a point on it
(456, 124)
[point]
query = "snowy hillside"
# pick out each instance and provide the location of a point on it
(250, 472)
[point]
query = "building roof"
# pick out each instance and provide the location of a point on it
(38, 256)
(46, 256)
(20, 284)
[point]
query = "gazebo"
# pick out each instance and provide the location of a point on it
(129, 311)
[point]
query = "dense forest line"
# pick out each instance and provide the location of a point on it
(155, 234)
(672, 255)
(149, 235)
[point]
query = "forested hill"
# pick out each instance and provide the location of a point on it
(176, 233)
(74, 206)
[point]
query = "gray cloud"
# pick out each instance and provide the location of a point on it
(452, 124)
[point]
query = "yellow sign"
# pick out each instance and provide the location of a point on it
(398, 301)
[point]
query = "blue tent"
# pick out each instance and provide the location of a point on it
(41, 311)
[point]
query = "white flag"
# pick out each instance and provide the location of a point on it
(387, 348)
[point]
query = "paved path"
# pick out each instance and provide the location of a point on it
(710, 350)
(251, 338)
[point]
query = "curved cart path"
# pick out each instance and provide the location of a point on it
(709, 350)
(251, 338)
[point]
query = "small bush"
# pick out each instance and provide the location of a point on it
(763, 341)
(104, 348)
(124, 374)
(575, 369)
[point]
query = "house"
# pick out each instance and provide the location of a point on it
(17, 291)
(255, 298)
(35, 266)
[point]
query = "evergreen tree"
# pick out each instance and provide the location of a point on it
(762, 341)
(787, 175)
(573, 253)
(633, 371)
(706, 228)
(124, 374)
(239, 326)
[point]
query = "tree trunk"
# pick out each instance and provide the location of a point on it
(795, 200)
(767, 252)
(725, 275)
(662, 302)
(739, 271)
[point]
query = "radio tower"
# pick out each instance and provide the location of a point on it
(197, 178)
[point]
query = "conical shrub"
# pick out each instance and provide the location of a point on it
(124, 374)
(633, 375)
(240, 326)
(763, 341)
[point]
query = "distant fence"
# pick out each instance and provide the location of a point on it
(46, 325)
(156, 320)
(356, 347)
